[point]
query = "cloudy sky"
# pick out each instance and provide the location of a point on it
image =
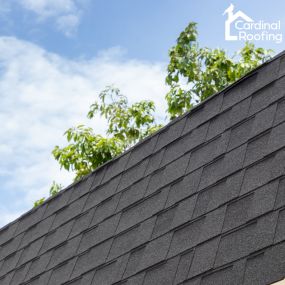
(56, 55)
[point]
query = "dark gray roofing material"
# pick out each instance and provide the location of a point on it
(200, 202)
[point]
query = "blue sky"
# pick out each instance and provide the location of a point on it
(56, 55)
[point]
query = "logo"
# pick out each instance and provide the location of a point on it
(241, 27)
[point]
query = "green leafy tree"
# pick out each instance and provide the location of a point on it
(126, 125)
(195, 73)
(54, 189)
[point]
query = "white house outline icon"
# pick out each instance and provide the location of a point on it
(231, 18)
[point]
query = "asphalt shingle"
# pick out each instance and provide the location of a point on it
(213, 223)
(200, 202)
(195, 137)
(105, 274)
(11, 246)
(155, 251)
(156, 181)
(267, 73)
(69, 212)
(238, 212)
(172, 152)
(30, 219)
(247, 240)
(175, 169)
(280, 199)
(92, 258)
(170, 134)
(101, 193)
(134, 261)
(184, 187)
(133, 194)
(10, 262)
(230, 274)
(203, 113)
(280, 229)
(134, 280)
(240, 133)
(267, 267)
(263, 120)
(280, 112)
(277, 138)
(99, 233)
(142, 210)
(57, 203)
(133, 174)
(124, 242)
(154, 162)
(186, 237)
(31, 251)
(206, 153)
(261, 99)
(218, 194)
(8, 232)
(161, 274)
(164, 221)
(61, 273)
(98, 177)
(256, 148)
(279, 88)
(204, 257)
(63, 252)
(80, 189)
(142, 151)
(264, 199)
(38, 265)
(222, 167)
(82, 222)
(282, 66)
(239, 112)
(219, 124)
(257, 174)
(184, 211)
(239, 92)
(105, 209)
(115, 168)
(185, 261)
(18, 276)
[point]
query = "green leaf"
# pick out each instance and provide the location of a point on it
(205, 70)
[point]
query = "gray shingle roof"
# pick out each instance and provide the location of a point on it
(200, 202)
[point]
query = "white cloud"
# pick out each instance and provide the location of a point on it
(64, 14)
(43, 94)
(48, 8)
(6, 217)
(68, 24)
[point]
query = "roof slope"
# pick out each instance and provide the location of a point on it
(200, 202)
